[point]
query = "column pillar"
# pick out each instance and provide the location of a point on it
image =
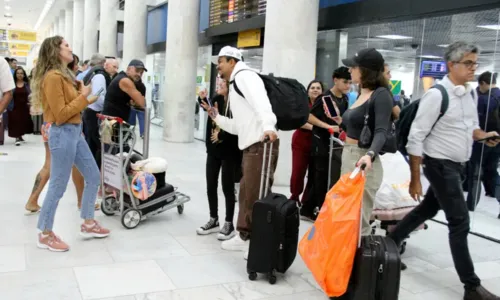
(78, 12)
(108, 28)
(56, 26)
(68, 24)
(180, 69)
(290, 51)
(90, 28)
(329, 55)
(134, 30)
(62, 23)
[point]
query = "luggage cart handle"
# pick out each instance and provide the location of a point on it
(105, 117)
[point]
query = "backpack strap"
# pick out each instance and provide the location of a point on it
(233, 82)
(444, 102)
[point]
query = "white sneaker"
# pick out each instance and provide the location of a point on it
(235, 244)
(245, 255)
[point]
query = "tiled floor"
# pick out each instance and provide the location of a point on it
(163, 259)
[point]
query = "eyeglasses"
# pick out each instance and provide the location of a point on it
(469, 64)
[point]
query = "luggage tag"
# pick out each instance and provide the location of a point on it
(377, 226)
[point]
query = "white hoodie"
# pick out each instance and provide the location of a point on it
(252, 115)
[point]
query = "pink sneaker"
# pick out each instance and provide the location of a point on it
(51, 242)
(94, 231)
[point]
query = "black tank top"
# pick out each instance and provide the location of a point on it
(117, 102)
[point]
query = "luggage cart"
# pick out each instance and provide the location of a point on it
(118, 139)
(380, 219)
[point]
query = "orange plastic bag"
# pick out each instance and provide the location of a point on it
(329, 247)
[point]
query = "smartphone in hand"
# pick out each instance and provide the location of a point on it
(488, 139)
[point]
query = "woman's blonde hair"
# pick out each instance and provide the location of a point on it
(48, 59)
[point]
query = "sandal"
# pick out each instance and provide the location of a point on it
(32, 211)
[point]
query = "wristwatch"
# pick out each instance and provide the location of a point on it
(371, 154)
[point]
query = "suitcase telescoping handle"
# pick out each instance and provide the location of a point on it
(353, 175)
(330, 155)
(266, 172)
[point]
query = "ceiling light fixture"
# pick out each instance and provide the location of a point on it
(7, 7)
(430, 56)
(45, 11)
(395, 37)
(8, 15)
(443, 45)
(492, 27)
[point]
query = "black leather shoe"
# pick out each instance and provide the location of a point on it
(480, 293)
(403, 266)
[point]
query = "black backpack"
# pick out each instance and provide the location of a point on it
(408, 114)
(289, 100)
(94, 71)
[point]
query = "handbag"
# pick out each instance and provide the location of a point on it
(366, 136)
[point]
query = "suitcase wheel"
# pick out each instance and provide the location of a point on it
(402, 249)
(272, 277)
(252, 276)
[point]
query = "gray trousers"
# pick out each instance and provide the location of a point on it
(350, 156)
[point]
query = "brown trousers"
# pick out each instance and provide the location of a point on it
(250, 183)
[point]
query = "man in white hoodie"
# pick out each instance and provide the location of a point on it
(253, 121)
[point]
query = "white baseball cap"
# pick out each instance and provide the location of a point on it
(228, 51)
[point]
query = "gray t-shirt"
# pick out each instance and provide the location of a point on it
(379, 118)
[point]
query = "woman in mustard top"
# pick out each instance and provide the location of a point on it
(63, 100)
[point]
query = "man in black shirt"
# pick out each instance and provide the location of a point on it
(321, 142)
(123, 89)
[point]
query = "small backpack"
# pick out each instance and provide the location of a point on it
(408, 114)
(289, 100)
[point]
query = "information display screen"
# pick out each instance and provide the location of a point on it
(228, 11)
(434, 69)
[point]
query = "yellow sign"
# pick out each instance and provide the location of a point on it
(249, 38)
(22, 35)
(18, 53)
(19, 47)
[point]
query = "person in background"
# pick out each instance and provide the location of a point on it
(84, 67)
(73, 66)
(301, 150)
(396, 109)
(63, 100)
(100, 81)
(43, 175)
(19, 114)
(320, 149)
(123, 89)
(254, 123)
(222, 154)
(404, 99)
(111, 66)
(488, 107)
(443, 148)
(13, 65)
(6, 86)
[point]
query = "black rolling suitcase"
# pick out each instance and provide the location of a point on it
(376, 272)
(275, 231)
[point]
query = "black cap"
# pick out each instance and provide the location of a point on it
(138, 64)
(367, 58)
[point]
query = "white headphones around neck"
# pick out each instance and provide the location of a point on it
(461, 90)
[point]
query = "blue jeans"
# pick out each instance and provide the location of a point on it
(67, 147)
(140, 116)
